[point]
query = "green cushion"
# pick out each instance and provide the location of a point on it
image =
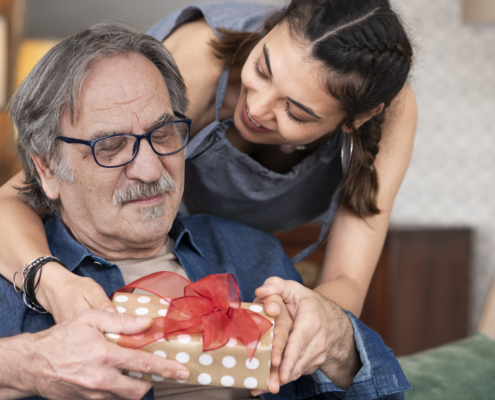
(459, 370)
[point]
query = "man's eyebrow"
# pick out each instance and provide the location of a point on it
(164, 118)
(307, 110)
(267, 60)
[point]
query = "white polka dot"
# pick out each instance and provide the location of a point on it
(113, 335)
(227, 380)
(253, 364)
(158, 335)
(184, 338)
(163, 302)
(161, 340)
(256, 308)
(138, 337)
(178, 381)
(142, 311)
(160, 323)
(254, 344)
(271, 334)
(182, 357)
(121, 309)
(162, 312)
(204, 379)
(160, 353)
(228, 361)
(205, 359)
(250, 383)
(144, 299)
(121, 299)
(269, 363)
(232, 342)
(158, 378)
(135, 374)
(257, 320)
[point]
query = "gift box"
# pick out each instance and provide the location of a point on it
(209, 339)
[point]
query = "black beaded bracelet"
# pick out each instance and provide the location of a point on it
(30, 282)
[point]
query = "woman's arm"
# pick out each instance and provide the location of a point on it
(355, 244)
(352, 253)
(23, 239)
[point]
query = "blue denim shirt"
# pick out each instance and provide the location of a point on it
(208, 245)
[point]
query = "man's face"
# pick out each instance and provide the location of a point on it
(124, 95)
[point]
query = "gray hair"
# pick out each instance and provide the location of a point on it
(52, 89)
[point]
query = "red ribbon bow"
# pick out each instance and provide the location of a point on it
(210, 306)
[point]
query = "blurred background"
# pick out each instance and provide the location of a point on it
(440, 254)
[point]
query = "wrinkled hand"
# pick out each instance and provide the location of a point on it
(322, 335)
(73, 360)
(64, 294)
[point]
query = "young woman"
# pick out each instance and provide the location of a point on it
(297, 112)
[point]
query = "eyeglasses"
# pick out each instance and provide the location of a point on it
(120, 149)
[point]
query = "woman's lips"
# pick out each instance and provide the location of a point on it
(249, 123)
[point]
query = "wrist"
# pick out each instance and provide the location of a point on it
(343, 360)
(51, 280)
(17, 366)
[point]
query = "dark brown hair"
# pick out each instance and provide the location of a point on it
(367, 56)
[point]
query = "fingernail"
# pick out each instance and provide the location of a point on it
(273, 308)
(143, 320)
(182, 375)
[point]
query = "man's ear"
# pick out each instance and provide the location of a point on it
(362, 118)
(49, 180)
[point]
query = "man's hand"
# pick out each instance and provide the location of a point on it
(322, 336)
(64, 294)
(73, 360)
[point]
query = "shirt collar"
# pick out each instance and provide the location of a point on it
(66, 248)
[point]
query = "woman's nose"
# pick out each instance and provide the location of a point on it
(261, 106)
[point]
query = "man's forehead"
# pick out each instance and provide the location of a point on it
(122, 93)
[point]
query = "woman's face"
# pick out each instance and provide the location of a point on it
(283, 100)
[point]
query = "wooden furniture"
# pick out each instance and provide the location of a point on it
(418, 297)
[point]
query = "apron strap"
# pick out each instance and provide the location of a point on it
(222, 88)
(334, 204)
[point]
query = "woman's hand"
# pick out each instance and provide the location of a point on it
(322, 335)
(275, 307)
(64, 294)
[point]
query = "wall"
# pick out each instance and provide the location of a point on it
(451, 178)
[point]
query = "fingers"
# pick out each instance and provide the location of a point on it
(116, 323)
(142, 362)
(97, 299)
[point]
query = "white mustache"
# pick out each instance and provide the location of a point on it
(141, 190)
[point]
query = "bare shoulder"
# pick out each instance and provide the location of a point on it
(401, 116)
(200, 68)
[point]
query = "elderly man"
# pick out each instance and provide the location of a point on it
(101, 136)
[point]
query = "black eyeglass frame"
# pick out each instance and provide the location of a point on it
(146, 136)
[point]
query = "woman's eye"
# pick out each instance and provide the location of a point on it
(257, 70)
(292, 116)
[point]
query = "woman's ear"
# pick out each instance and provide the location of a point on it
(364, 117)
(49, 180)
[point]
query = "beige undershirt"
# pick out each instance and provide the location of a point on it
(166, 260)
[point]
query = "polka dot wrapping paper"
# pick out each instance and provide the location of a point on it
(228, 366)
